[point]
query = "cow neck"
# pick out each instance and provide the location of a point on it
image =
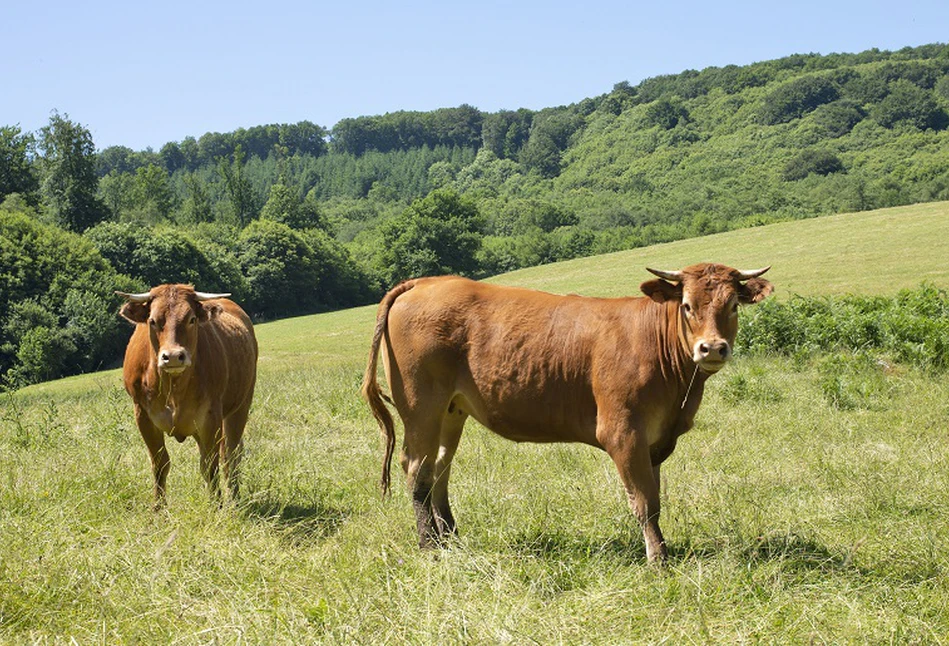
(171, 387)
(676, 359)
(678, 365)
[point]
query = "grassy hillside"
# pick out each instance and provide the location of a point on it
(790, 518)
(874, 252)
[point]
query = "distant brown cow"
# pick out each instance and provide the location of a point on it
(625, 375)
(190, 368)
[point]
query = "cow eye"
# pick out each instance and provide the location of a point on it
(687, 309)
(152, 323)
(192, 320)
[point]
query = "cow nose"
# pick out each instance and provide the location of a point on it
(173, 357)
(714, 350)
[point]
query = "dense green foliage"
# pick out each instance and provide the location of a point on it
(911, 327)
(57, 311)
(334, 216)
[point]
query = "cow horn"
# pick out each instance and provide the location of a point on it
(674, 276)
(744, 274)
(204, 296)
(144, 297)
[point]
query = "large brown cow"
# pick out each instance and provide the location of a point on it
(190, 368)
(625, 375)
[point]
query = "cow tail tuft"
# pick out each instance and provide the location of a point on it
(370, 384)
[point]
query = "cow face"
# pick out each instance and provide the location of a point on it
(708, 296)
(172, 314)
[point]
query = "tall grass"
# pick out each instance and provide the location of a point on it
(808, 505)
(789, 518)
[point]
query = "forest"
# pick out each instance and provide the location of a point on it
(298, 218)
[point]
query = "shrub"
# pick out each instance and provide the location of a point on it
(912, 327)
(57, 310)
(796, 98)
(666, 114)
(911, 105)
(818, 162)
(283, 273)
(838, 118)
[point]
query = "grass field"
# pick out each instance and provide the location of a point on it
(790, 519)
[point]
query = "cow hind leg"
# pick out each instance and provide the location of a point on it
(210, 462)
(452, 425)
(419, 457)
(232, 449)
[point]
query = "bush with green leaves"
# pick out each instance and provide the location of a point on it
(293, 272)
(911, 327)
(153, 256)
(811, 161)
(838, 118)
(57, 308)
(440, 234)
(796, 98)
(910, 105)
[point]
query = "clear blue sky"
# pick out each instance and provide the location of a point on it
(141, 74)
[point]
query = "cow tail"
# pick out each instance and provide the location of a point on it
(370, 384)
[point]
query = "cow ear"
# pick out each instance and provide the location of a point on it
(755, 290)
(135, 312)
(661, 291)
(208, 310)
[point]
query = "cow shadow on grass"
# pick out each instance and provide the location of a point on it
(298, 523)
(795, 553)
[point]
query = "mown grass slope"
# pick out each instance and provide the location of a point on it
(790, 517)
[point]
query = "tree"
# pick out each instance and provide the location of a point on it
(239, 191)
(796, 98)
(282, 270)
(68, 170)
(666, 113)
(285, 206)
(153, 192)
(838, 118)
(197, 205)
(116, 159)
(171, 157)
(16, 174)
(811, 161)
(117, 192)
(909, 104)
(439, 234)
(57, 311)
(304, 138)
(550, 135)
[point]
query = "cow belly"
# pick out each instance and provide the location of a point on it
(529, 420)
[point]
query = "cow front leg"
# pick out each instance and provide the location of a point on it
(158, 454)
(209, 447)
(631, 456)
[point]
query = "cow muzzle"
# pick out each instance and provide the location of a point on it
(711, 354)
(173, 360)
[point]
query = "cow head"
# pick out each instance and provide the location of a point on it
(172, 314)
(708, 296)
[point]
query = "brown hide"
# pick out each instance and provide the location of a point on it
(625, 375)
(190, 368)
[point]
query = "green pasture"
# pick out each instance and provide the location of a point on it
(809, 504)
